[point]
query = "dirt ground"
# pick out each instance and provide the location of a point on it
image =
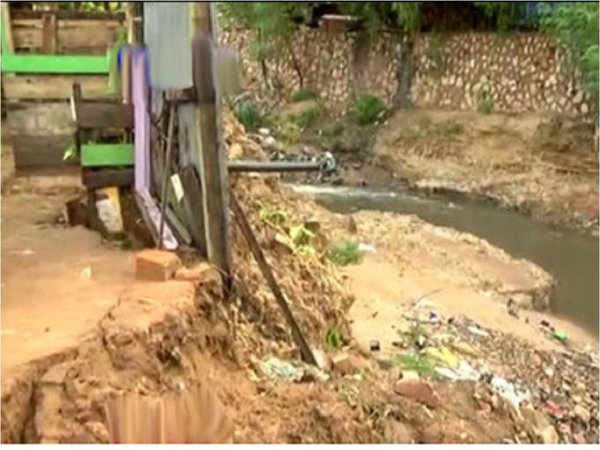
(538, 164)
(57, 282)
(112, 335)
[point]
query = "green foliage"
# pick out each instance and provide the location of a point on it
(333, 339)
(273, 215)
(300, 235)
(368, 108)
(505, 15)
(307, 117)
(435, 51)
(345, 253)
(70, 153)
(288, 131)
(416, 363)
(303, 95)
(249, 115)
(333, 130)
(485, 104)
(575, 25)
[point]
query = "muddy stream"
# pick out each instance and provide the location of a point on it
(570, 257)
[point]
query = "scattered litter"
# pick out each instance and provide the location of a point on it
(443, 355)
(561, 336)
(26, 252)
(478, 331)
(374, 346)
(509, 392)
(434, 317)
(86, 273)
(276, 368)
(366, 248)
(264, 131)
(464, 372)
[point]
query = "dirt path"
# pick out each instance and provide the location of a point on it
(56, 282)
(533, 163)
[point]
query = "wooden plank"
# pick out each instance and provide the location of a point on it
(41, 119)
(107, 155)
(41, 152)
(52, 87)
(73, 36)
(214, 171)
(8, 44)
(95, 179)
(27, 14)
(104, 115)
(49, 34)
(55, 64)
(193, 207)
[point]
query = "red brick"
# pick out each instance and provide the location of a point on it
(156, 265)
(419, 391)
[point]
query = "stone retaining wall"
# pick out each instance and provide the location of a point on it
(517, 73)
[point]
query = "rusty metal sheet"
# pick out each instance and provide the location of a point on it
(168, 40)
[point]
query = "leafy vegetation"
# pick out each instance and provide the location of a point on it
(485, 104)
(575, 25)
(333, 339)
(345, 253)
(307, 117)
(304, 94)
(505, 15)
(249, 115)
(417, 363)
(368, 108)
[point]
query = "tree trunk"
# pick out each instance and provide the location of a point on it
(404, 73)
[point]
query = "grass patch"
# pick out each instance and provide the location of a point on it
(416, 363)
(308, 117)
(333, 339)
(368, 108)
(249, 115)
(345, 253)
(303, 95)
(273, 215)
(333, 130)
(288, 131)
(485, 104)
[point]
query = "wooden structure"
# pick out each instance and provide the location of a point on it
(43, 54)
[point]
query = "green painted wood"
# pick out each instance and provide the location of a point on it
(107, 155)
(55, 64)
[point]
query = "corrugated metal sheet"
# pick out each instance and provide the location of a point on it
(168, 40)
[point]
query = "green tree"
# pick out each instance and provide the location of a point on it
(575, 25)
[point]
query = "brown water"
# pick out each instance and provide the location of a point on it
(571, 258)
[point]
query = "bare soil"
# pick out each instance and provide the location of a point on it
(542, 165)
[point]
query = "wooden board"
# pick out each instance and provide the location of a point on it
(107, 155)
(104, 115)
(41, 152)
(41, 119)
(73, 36)
(52, 87)
(107, 177)
(55, 64)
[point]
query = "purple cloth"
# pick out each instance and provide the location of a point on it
(139, 80)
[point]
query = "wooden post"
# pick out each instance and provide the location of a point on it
(212, 157)
(8, 45)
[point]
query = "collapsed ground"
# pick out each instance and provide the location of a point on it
(543, 165)
(439, 371)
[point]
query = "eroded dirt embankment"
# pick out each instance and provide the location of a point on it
(543, 166)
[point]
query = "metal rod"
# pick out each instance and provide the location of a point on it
(273, 166)
(165, 180)
(297, 335)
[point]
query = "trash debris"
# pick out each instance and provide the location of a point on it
(366, 248)
(374, 346)
(264, 131)
(275, 368)
(509, 392)
(561, 336)
(478, 331)
(464, 371)
(86, 273)
(443, 355)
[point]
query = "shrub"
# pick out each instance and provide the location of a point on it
(345, 253)
(248, 114)
(307, 117)
(303, 95)
(485, 104)
(368, 108)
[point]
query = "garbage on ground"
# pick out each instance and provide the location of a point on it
(277, 369)
(478, 331)
(464, 372)
(560, 336)
(509, 392)
(366, 248)
(374, 346)
(443, 355)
